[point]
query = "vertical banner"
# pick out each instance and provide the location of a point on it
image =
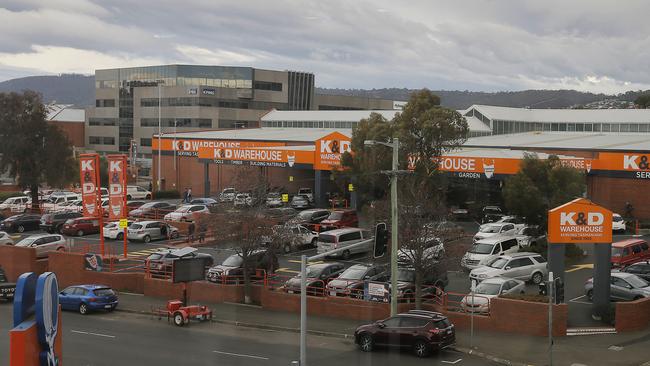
(117, 187)
(89, 170)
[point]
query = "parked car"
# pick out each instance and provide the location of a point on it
(493, 229)
(54, 222)
(351, 281)
(486, 249)
(53, 202)
(5, 239)
(154, 209)
(310, 217)
(210, 203)
(641, 269)
(86, 298)
(307, 192)
(624, 286)
(434, 251)
(44, 243)
(340, 238)
(290, 238)
(113, 231)
(530, 236)
(187, 213)
(15, 204)
(489, 289)
(432, 282)
(161, 262)
(21, 223)
(524, 266)
(339, 219)
(147, 231)
(618, 224)
(300, 202)
(243, 200)
(72, 206)
(491, 214)
(227, 195)
(629, 251)
(81, 226)
(231, 270)
(281, 215)
(274, 199)
(420, 330)
(137, 193)
(132, 205)
(318, 276)
(7, 289)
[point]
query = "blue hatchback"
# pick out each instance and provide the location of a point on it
(84, 298)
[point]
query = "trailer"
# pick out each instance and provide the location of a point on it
(181, 315)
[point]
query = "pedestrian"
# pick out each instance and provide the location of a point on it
(150, 187)
(189, 195)
(185, 196)
(190, 232)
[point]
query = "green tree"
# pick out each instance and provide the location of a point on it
(32, 150)
(643, 101)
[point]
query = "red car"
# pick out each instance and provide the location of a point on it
(81, 226)
(339, 219)
(629, 251)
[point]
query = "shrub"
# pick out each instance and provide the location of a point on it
(172, 193)
(8, 194)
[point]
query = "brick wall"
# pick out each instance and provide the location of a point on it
(613, 193)
(17, 260)
(74, 131)
(633, 315)
(69, 270)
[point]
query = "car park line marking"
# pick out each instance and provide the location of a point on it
(241, 355)
(452, 362)
(287, 270)
(310, 262)
(93, 334)
(577, 267)
(575, 300)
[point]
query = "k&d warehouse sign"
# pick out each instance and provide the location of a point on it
(580, 221)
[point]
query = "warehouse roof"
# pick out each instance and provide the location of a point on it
(65, 113)
(499, 153)
(476, 124)
(565, 141)
(261, 134)
(348, 116)
(564, 115)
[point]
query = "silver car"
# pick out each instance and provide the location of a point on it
(489, 289)
(147, 231)
(624, 286)
(44, 243)
(524, 266)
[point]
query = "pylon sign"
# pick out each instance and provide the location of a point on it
(117, 186)
(89, 171)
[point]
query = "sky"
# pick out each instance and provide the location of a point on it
(599, 46)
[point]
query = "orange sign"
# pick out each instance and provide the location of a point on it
(624, 165)
(579, 221)
(475, 167)
(117, 186)
(89, 171)
(191, 147)
(329, 150)
(268, 157)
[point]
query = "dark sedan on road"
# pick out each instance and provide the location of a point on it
(21, 223)
(318, 275)
(420, 330)
(86, 298)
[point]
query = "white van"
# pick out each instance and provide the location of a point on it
(15, 204)
(485, 249)
(339, 238)
(493, 229)
(137, 193)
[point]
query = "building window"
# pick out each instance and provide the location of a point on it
(101, 140)
(145, 142)
(102, 121)
(580, 127)
(588, 127)
(605, 127)
(596, 127)
(177, 122)
(267, 85)
(625, 127)
(108, 103)
(562, 126)
(643, 127)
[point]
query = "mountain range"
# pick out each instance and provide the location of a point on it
(79, 90)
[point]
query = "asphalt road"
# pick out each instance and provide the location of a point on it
(130, 339)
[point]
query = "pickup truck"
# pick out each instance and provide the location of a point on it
(7, 289)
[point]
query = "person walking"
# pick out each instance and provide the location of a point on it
(189, 195)
(185, 196)
(190, 232)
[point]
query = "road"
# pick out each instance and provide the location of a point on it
(128, 339)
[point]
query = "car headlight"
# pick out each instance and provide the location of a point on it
(482, 276)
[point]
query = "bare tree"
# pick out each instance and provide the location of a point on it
(250, 179)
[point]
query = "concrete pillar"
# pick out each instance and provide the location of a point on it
(556, 260)
(206, 179)
(602, 274)
(318, 189)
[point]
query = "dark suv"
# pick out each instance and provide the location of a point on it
(231, 271)
(420, 330)
(53, 223)
(161, 263)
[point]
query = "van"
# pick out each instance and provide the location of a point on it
(485, 249)
(629, 251)
(339, 238)
(136, 193)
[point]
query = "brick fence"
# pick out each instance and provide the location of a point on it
(17, 260)
(632, 315)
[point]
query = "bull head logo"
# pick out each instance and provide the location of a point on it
(291, 159)
(488, 169)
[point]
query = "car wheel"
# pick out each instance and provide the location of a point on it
(637, 298)
(421, 349)
(20, 229)
(128, 197)
(179, 320)
(83, 309)
(80, 233)
(119, 236)
(346, 254)
(287, 248)
(366, 344)
(147, 197)
(174, 235)
(60, 249)
(314, 242)
(146, 239)
(590, 295)
(537, 278)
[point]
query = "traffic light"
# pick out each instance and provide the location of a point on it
(558, 291)
(381, 240)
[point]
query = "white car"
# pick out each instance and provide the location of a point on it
(15, 204)
(227, 195)
(54, 201)
(508, 219)
(486, 249)
(434, 251)
(292, 237)
(147, 231)
(5, 239)
(524, 266)
(492, 229)
(187, 213)
(44, 243)
(243, 199)
(113, 231)
(618, 224)
(489, 289)
(137, 193)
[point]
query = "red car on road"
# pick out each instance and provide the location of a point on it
(81, 226)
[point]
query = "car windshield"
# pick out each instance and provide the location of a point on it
(136, 226)
(313, 272)
(304, 191)
(336, 215)
(273, 195)
(305, 215)
(183, 209)
(25, 242)
(490, 229)
(353, 273)
(149, 205)
(155, 256)
(325, 238)
(481, 249)
(234, 260)
(104, 292)
(637, 282)
(110, 225)
(498, 263)
(617, 218)
(487, 289)
(617, 252)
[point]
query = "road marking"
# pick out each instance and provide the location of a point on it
(453, 362)
(241, 355)
(615, 348)
(93, 334)
(575, 300)
(310, 262)
(287, 270)
(577, 267)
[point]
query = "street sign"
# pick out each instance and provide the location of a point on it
(351, 187)
(291, 178)
(124, 223)
(285, 197)
(580, 222)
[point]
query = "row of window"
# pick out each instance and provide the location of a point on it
(210, 102)
(104, 103)
(145, 142)
(267, 85)
(178, 122)
(310, 124)
(182, 81)
(101, 140)
(95, 121)
(505, 127)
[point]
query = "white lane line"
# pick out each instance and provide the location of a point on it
(575, 300)
(93, 334)
(241, 355)
(453, 362)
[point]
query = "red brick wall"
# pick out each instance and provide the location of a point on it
(16, 261)
(633, 315)
(614, 192)
(204, 291)
(73, 130)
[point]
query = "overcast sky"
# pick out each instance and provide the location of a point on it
(488, 45)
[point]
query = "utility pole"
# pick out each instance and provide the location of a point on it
(159, 82)
(394, 228)
(549, 291)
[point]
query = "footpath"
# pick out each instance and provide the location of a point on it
(628, 349)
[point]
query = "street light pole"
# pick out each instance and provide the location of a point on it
(393, 220)
(159, 132)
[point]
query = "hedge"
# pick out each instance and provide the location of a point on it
(8, 194)
(172, 193)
